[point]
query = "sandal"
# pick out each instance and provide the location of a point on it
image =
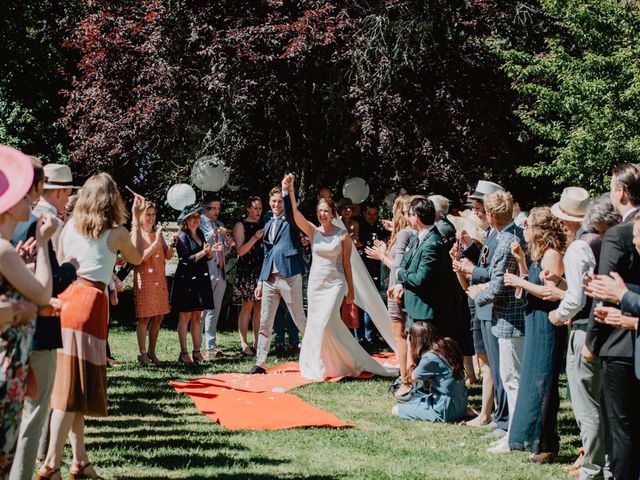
(48, 473)
(153, 358)
(184, 358)
(143, 358)
(77, 472)
(197, 356)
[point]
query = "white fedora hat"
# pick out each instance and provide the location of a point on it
(483, 188)
(57, 176)
(572, 205)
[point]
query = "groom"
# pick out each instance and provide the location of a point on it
(281, 275)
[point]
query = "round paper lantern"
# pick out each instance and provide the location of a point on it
(208, 173)
(181, 195)
(356, 189)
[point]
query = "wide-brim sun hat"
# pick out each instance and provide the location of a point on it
(190, 210)
(573, 204)
(470, 223)
(16, 177)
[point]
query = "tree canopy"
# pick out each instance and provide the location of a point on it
(430, 96)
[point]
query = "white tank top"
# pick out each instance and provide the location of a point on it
(94, 256)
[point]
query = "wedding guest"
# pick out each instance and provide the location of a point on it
(94, 234)
(58, 186)
(535, 419)
(460, 328)
(425, 263)
(391, 256)
(470, 235)
(17, 282)
(214, 232)
(20, 233)
(191, 290)
(46, 340)
(478, 274)
(345, 209)
(437, 363)
(519, 216)
(247, 236)
(507, 322)
(615, 346)
(584, 377)
(369, 231)
(150, 285)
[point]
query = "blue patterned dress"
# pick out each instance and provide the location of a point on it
(15, 346)
(535, 421)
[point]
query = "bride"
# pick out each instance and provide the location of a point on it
(328, 348)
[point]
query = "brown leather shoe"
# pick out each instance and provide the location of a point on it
(543, 457)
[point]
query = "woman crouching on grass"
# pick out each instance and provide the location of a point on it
(438, 365)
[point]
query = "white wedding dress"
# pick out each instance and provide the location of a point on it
(328, 348)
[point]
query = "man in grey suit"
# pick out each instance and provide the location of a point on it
(214, 232)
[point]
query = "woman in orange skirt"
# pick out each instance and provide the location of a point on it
(93, 236)
(150, 285)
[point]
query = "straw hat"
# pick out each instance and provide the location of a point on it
(16, 177)
(58, 176)
(484, 188)
(470, 223)
(573, 204)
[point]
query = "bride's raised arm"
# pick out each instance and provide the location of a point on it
(287, 190)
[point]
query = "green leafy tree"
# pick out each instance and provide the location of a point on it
(580, 89)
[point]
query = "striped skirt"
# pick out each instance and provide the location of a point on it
(81, 373)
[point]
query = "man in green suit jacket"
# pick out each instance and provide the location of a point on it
(421, 278)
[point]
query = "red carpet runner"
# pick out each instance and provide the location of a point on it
(239, 401)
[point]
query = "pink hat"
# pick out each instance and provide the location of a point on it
(16, 177)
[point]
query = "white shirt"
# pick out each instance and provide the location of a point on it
(578, 261)
(45, 208)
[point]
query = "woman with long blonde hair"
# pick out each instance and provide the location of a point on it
(534, 421)
(391, 255)
(94, 235)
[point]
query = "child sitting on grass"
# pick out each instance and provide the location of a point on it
(443, 396)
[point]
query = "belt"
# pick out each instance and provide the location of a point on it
(91, 283)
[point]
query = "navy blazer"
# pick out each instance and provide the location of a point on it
(285, 250)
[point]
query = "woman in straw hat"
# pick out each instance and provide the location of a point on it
(17, 282)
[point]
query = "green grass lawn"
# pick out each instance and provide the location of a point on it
(153, 432)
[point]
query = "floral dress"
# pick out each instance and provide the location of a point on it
(15, 346)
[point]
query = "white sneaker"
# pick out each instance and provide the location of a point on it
(502, 447)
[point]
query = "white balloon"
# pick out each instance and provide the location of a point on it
(208, 173)
(356, 189)
(181, 195)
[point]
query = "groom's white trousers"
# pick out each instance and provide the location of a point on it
(276, 287)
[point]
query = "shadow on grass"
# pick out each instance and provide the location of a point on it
(236, 476)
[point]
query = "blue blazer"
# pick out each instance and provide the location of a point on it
(285, 250)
